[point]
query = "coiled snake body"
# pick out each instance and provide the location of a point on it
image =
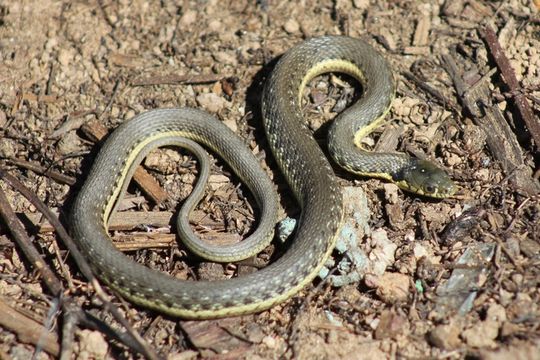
(302, 162)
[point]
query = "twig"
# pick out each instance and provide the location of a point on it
(451, 68)
(40, 170)
(500, 139)
(84, 267)
(508, 254)
(69, 325)
(39, 98)
(174, 79)
(28, 330)
(95, 131)
(25, 244)
(441, 99)
(52, 315)
(50, 80)
(509, 77)
(72, 121)
(138, 241)
(111, 100)
(517, 213)
(41, 207)
(128, 220)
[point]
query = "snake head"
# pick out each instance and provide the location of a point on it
(424, 178)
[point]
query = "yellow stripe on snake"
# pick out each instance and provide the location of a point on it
(300, 159)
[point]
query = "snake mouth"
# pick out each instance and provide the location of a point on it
(439, 191)
(424, 178)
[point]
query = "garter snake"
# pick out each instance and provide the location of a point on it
(300, 159)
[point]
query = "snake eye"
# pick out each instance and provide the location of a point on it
(430, 189)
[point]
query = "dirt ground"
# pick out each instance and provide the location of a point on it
(456, 278)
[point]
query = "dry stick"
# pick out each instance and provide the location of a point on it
(21, 238)
(174, 79)
(95, 131)
(72, 121)
(84, 267)
(507, 253)
(441, 99)
(127, 220)
(509, 77)
(111, 100)
(52, 315)
(53, 220)
(51, 281)
(71, 315)
(28, 330)
(38, 169)
(500, 139)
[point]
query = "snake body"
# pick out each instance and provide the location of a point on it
(300, 159)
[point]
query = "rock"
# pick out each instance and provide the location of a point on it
(445, 337)
(215, 181)
(419, 251)
(215, 25)
(184, 355)
(291, 26)
(8, 148)
(453, 160)
(70, 143)
(390, 287)
(65, 57)
(482, 334)
(269, 342)
(231, 124)
(188, 18)
(92, 345)
(391, 324)
(391, 193)
(226, 58)
(164, 161)
(211, 102)
(361, 4)
(497, 313)
(383, 251)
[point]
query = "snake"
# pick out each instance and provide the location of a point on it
(301, 160)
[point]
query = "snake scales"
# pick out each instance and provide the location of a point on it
(302, 162)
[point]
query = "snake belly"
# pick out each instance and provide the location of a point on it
(303, 164)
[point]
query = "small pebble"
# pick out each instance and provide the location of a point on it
(361, 4)
(226, 58)
(65, 57)
(214, 25)
(92, 345)
(188, 18)
(482, 334)
(70, 143)
(8, 148)
(390, 287)
(211, 102)
(291, 26)
(445, 337)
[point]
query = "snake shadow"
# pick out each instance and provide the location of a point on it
(254, 121)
